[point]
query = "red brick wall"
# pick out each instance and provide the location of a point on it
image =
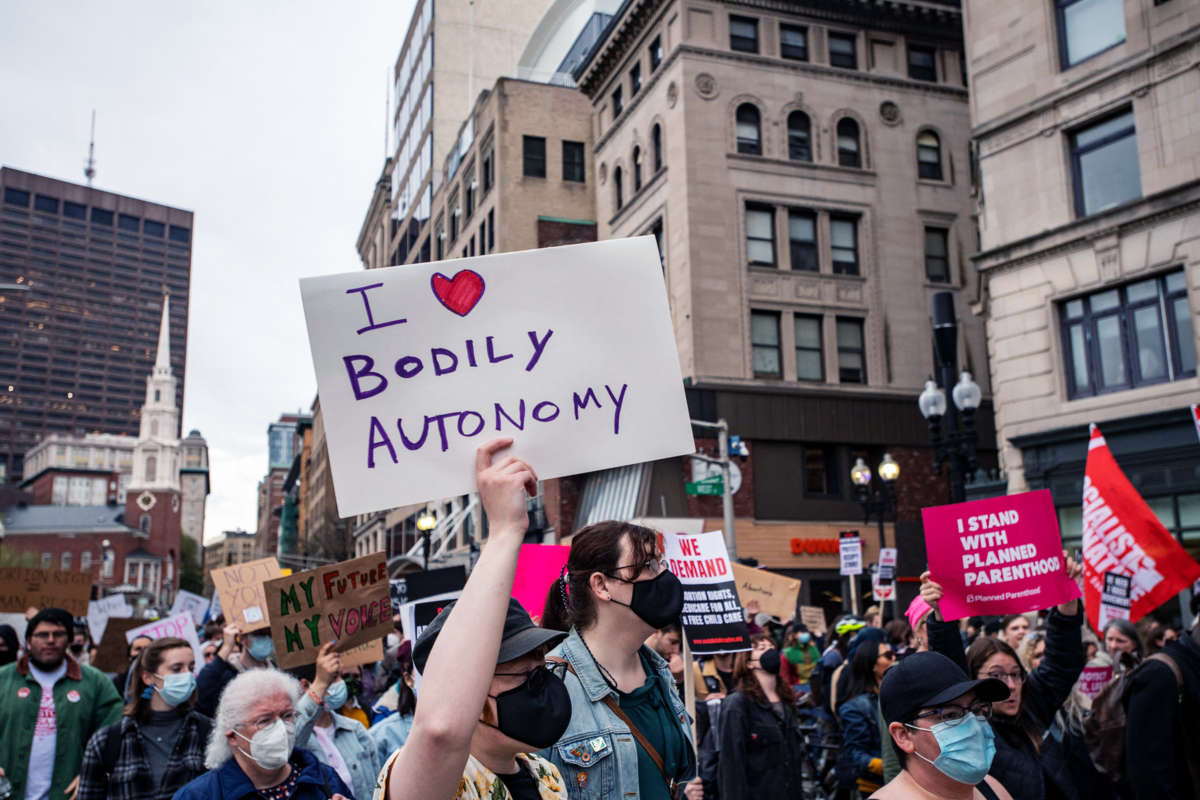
(561, 498)
(76, 544)
(919, 484)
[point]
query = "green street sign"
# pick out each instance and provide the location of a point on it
(708, 486)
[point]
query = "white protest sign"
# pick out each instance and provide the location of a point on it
(569, 350)
(1114, 599)
(882, 592)
(191, 603)
(850, 549)
(180, 625)
(101, 611)
(887, 566)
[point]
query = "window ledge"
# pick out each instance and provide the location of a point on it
(935, 184)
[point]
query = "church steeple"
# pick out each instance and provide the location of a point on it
(162, 358)
(156, 454)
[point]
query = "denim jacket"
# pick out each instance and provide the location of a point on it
(597, 755)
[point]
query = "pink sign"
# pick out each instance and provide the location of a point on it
(538, 566)
(1093, 679)
(1002, 555)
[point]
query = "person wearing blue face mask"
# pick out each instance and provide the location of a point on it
(158, 746)
(937, 719)
(334, 738)
(257, 652)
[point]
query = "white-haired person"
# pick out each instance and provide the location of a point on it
(251, 752)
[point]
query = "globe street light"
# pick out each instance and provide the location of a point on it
(426, 522)
(956, 445)
(880, 502)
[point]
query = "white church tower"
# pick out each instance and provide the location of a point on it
(156, 454)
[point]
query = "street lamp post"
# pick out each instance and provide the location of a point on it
(956, 444)
(881, 501)
(426, 522)
(722, 460)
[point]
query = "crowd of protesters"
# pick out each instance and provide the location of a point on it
(590, 703)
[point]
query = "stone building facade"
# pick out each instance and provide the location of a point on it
(1086, 118)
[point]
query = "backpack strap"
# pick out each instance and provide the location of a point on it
(112, 746)
(1170, 662)
(986, 790)
(637, 734)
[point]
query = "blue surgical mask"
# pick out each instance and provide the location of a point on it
(177, 687)
(804, 638)
(336, 695)
(261, 647)
(968, 748)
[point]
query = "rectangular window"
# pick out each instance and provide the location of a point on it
(1104, 164)
(843, 232)
(65, 562)
(16, 197)
(656, 53)
(635, 80)
(85, 560)
(743, 34)
(1133, 335)
(820, 471)
(843, 50)
(922, 63)
(74, 210)
(764, 343)
(128, 222)
(760, 236)
(491, 229)
(487, 169)
(471, 245)
(937, 258)
(573, 161)
(455, 215)
(439, 236)
(47, 204)
(181, 235)
(534, 152)
(47, 560)
(469, 187)
(101, 216)
(483, 237)
(852, 361)
(810, 363)
(802, 240)
(152, 228)
(618, 107)
(793, 42)
(1087, 28)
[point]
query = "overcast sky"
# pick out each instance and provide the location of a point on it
(266, 119)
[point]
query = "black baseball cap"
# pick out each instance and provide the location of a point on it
(926, 680)
(520, 635)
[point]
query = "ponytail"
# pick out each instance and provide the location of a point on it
(556, 614)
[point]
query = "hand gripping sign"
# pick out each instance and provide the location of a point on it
(569, 350)
(1002, 555)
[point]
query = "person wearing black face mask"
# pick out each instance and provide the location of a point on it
(486, 698)
(761, 751)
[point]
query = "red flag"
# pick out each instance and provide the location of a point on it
(1122, 535)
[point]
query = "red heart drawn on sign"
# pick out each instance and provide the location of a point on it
(460, 293)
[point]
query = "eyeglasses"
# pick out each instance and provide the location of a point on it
(953, 714)
(888, 654)
(1011, 678)
(45, 636)
(289, 717)
(656, 565)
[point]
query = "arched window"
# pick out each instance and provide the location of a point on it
(617, 187)
(799, 136)
(144, 523)
(929, 156)
(656, 146)
(849, 152)
(637, 168)
(749, 138)
(151, 468)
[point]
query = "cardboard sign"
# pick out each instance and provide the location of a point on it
(538, 566)
(190, 603)
(100, 611)
(112, 652)
(1114, 598)
(348, 603)
(776, 594)
(240, 588)
(850, 550)
(1093, 679)
(813, 618)
(419, 365)
(367, 653)
(181, 625)
(24, 587)
(713, 619)
(887, 566)
(1002, 555)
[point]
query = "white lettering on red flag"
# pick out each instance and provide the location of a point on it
(1122, 535)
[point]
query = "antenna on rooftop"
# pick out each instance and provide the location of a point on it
(90, 169)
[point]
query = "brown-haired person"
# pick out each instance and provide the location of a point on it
(158, 746)
(629, 734)
(761, 751)
(1030, 765)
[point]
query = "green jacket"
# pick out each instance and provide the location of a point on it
(85, 700)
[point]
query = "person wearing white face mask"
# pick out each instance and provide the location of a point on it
(251, 752)
(257, 652)
(334, 738)
(158, 746)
